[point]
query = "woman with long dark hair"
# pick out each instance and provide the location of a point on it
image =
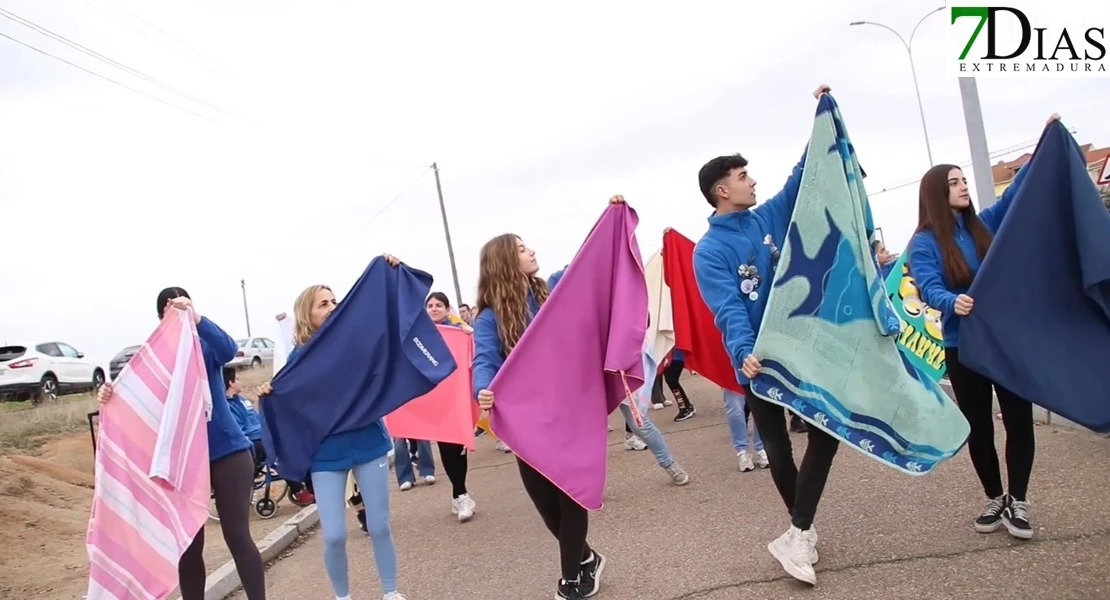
(453, 456)
(944, 255)
(231, 464)
(510, 294)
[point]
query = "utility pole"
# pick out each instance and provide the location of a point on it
(977, 139)
(246, 314)
(447, 234)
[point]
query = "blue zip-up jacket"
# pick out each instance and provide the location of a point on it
(225, 437)
(487, 341)
(246, 417)
(737, 241)
(927, 267)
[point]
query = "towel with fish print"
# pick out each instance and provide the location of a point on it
(828, 338)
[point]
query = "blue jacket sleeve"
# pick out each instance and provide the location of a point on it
(220, 344)
(927, 271)
(781, 206)
(554, 279)
(721, 293)
(487, 351)
(993, 215)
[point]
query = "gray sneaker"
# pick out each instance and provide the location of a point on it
(678, 475)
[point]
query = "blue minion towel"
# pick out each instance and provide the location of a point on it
(827, 342)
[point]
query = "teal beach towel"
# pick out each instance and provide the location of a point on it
(828, 338)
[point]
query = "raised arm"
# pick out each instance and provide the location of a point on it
(928, 272)
(220, 344)
(781, 205)
(993, 215)
(721, 292)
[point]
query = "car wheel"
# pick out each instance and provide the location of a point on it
(256, 362)
(48, 390)
(98, 380)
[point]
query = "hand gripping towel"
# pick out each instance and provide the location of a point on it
(695, 332)
(828, 338)
(577, 361)
(449, 412)
(378, 350)
(152, 486)
(1041, 322)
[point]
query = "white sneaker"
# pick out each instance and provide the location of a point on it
(610, 427)
(668, 402)
(634, 443)
(430, 479)
(393, 596)
(745, 461)
(406, 486)
(463, 507)
(657, 406)
(761, 459)
(792, 550)
(502, 447)
(811, 535)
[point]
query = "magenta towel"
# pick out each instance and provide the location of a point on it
(578, 359)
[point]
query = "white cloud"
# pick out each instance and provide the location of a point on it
(535, 117)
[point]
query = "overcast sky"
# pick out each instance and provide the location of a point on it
(535, 118)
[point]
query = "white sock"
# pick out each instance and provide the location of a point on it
(347, 597)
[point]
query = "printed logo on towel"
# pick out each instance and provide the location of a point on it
(424, 351)
(1028, 39)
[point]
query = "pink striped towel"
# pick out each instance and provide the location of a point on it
(152, 485)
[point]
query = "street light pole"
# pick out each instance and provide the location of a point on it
(246, 313)
(913, 70)
(447, 235)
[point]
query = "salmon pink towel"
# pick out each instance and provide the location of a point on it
(448, 413)
(577, 361)
(152, 487)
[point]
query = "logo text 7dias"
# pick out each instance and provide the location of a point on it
(1028, 39)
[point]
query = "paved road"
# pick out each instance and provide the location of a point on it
(884, 535)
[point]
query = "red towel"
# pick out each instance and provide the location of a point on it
(694, 331)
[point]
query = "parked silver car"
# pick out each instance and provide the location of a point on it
(253, 352)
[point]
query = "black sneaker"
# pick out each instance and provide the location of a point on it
(590, 576)
(361, 516)
(568, 590)
(991, 519)
(1016, 519)
(797, 425)
(684, 413)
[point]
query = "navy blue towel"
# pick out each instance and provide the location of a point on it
(1041, 322)
(378, 350)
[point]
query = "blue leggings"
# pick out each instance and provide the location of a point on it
(331, 492)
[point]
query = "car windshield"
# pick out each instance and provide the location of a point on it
(241, 342)
(127, 352)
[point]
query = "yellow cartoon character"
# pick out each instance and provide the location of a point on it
(907, 291)
(932, 323)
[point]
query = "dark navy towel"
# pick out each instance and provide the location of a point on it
(377, 351)
(1041, 322)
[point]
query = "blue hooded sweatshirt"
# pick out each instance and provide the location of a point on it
(225, 437)
(488, 357)
(246, 417)
(927, 267)
(378, 350)
(734, 263)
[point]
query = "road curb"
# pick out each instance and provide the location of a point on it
(225, 580)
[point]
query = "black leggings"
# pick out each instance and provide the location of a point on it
(565, 519)
(671, 375)
(453, 458)
(232, 479)
(973, 395)
(800, 489)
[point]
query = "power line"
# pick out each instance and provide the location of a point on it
(163, 32)
(147, 34)
(18, 19)
(386, 206)
(106, 78)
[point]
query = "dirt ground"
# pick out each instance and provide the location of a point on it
(45, 495)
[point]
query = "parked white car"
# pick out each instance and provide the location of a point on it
(42, 372)
(253, 352)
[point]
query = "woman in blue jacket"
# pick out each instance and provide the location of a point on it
(231, 464)
(453, 456)
(944, 255)
(363, 451)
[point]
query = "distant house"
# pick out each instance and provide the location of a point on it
(1003, 172)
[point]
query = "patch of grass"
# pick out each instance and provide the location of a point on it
(28, 430)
